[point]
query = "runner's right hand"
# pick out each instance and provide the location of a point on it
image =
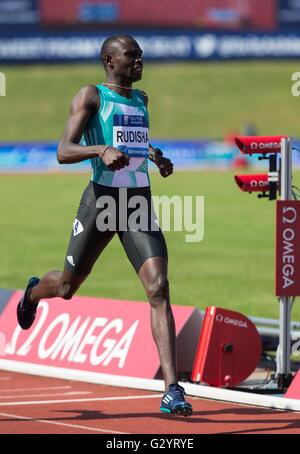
(115, 159)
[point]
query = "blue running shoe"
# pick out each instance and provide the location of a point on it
(173, 402)
(26, 312)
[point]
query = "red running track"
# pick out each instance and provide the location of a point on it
(38, 405)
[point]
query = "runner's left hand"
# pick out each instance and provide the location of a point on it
(165, 166)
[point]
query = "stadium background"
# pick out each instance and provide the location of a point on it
(212, 69)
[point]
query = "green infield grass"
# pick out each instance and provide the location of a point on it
(185, 99)
(232, 267)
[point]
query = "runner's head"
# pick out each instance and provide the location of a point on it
(122, 58)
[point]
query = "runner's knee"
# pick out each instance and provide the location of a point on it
(158, 290)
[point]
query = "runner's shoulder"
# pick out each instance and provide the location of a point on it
(89, 92)
(144, 94)
(88, 96)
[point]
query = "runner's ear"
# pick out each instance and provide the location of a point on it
(108, 61)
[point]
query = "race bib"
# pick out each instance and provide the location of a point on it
(131, 135)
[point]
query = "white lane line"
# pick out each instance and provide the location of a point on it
(44, 388)
(94, 399)
(67, 393)
(74, 426)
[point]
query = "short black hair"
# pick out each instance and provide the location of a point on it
(109, 43)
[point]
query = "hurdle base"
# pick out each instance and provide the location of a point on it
(268, 389)
(284, 381)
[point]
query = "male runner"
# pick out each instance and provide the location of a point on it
(113, 119)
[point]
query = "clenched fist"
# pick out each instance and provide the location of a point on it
(115, 159)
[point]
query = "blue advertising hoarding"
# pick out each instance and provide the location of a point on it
(41, 156)
(288, 14)
(36, 47)
(16, 13)
(185, 155)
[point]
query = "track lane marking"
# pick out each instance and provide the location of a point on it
(40, 388)
(66, 393)
(92, 399)
(75, 426)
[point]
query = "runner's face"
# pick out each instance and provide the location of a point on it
(128, 62)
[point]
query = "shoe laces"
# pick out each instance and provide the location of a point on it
(178, 391)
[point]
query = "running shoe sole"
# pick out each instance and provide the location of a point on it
(26, 313)
(185, 410)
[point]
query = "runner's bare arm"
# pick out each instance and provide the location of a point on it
(83, 107)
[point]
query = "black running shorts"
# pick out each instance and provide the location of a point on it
(105, 211)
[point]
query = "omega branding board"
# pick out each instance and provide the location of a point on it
(287, 267)
(98, 335)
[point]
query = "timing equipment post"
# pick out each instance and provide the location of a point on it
(284, 369)
(287, 284)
